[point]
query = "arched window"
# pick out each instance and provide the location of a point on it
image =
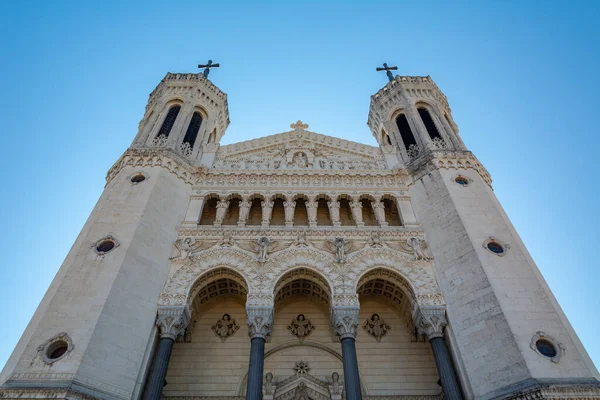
(405, 132)
(429, 124)
(193, 128)
(169, 121)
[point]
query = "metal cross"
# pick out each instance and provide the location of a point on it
(207, 67)
(387, 71)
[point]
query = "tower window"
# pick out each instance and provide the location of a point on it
(405, 132)
(193, 128)
(546, 348)
(429, 124)
(169, 121)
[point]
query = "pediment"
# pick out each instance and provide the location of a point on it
(299, 149)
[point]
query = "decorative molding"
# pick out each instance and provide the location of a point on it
(259, 321)
(345, 321)
(172, 321)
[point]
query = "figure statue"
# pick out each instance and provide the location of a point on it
(379, 210)
(263, 248)
(336, 387)
(290, 206)
(267, 209)
(300, 160)
(245, 205)
(417, 248)
(356, 207)
(334, 211)
(225, 327)
(301, 327)
(311, 210)
(376, 327)
(185, 248)
(222, 207)
(339, 245)
(269, 386)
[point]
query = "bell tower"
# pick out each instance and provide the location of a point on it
(508, 334)
(186, 114)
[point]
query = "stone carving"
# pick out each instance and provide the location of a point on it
(185, 149)
(268, 386)
(185, 247)
(431, 321)
(172, 321)
(260, 321)
(262, 248)
(301, 240)
(159, 141)
(340, 247)
(226, 240)
(222, 207)
(334, 212)
(311, 210)
(375, 241)
(439, 144)
(345, 321)
(289, 206)
(245, 205)
(186, 337)
(300, 160)
(267, 209)
(418, 248)
(301, 368)
(225, 327)
(356, 207)
(376, 327)
(301, 327)
(379, 211)
(336, 386)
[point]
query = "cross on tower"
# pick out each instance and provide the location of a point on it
(207, 67)
(387, 71)
(299, 126)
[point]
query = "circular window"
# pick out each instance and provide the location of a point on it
(546, 348)
(495, 247)
(105, 246)
(138, 178)
(461, 180)
(56, 349)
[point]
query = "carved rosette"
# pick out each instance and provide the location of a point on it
(345, 321)
(260, 321)
(172, 321)
(430, 321)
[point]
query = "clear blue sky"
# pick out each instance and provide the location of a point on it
(522, 81)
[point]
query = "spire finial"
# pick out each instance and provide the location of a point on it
(387, 71)
(207, 67)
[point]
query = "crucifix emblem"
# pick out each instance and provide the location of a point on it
(207, 67)
(299, 126)
(387, 71)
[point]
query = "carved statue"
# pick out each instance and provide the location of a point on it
(185, 248)
(267, 209)
(301, 327)
(245, 205)
(418, 248)
(334, 211)
(269, 386)
(356, 207)
(301, 392)
(336, 387)
(290, 206)
(300, 160)
(225, 327)
(339, 246)
(263, 248)
(376, 327)
(311, 210)
(379, 210)
(222, 207)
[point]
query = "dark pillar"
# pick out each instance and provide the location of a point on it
(156, 379)
(351, 376)
(255, 369)
(445, 368)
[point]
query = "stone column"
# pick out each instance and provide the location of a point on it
(356, 207)
(379, 211)
(431, 321)
(259, 320)
(171, 322)
(334, 211)
(345, 324)
(267, 210)
(290, 207)
(311, 209)
(222, 207)
(245, 205)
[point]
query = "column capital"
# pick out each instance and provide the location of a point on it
(345, 321)
(172, 321)
(430, 321)
(259, 321)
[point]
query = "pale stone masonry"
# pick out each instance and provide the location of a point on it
(298, 266)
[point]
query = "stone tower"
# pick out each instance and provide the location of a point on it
(377, 272)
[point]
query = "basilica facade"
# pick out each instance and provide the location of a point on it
(298, 266)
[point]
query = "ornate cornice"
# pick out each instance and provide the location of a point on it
(327, 232)
(443, 159)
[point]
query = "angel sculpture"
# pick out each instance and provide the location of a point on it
(376, 327)
(262, 247)
(185, 248)
(418, 248)
(301, 327)
(225, 327)
(336, 386)
(340, 247)
(269, 385)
